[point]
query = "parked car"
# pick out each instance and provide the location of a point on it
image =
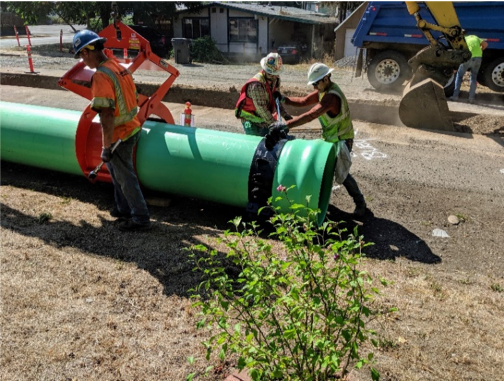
(291, 53)
(160, 45)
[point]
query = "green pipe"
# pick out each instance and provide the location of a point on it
(39, 136)
(193, 162)
(196, 162)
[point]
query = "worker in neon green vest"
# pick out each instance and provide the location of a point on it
(476, 46)
(331, 109)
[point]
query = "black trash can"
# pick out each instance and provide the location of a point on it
(182, 50)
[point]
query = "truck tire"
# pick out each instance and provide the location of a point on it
(494, 75)
(481, 76)
(388, 70)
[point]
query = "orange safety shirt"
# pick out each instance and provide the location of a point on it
(113, 87)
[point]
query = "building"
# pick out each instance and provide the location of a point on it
(345, 31)
(249, 31)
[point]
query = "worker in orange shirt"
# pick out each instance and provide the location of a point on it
(115, 100)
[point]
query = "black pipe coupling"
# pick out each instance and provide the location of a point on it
(261, 175)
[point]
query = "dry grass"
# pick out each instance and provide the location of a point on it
(81, 301)
(449, 326)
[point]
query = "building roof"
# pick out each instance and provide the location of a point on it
(276, 11)
(363, 5)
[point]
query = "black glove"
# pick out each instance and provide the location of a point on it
(276, 128)
(106, 154)
(277, 95)
(288, 117)
(277, 131)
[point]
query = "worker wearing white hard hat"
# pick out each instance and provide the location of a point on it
(331, 109)
(256, 106)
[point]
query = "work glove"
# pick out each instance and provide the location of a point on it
(106, 154)
(279, 96)
(277, 131)
(276, 128)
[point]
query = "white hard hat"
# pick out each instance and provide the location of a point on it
(272, 64)
(317, 71)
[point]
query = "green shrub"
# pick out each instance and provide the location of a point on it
(203, 49)
(298, 313)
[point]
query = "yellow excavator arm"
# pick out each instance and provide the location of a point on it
(424, 103)
(446, 17)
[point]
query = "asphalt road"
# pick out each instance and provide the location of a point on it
(41, 35)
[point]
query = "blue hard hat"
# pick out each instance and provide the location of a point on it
(83, 39)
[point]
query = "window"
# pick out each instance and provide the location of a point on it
(196, 27)
(242, 30)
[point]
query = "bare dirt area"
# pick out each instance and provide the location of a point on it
(82, 300)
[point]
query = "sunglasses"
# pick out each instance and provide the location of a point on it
(316, 83)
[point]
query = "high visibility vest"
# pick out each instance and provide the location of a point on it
(113, 87)
(339, 127)
(245, 106)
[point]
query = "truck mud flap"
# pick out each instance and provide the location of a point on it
(424, 106)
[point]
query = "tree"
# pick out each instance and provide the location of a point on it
(71, 12)
(342, 6)
(83, 12)
(147, 11)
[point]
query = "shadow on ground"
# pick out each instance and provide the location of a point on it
(390, 239)
(163, 251)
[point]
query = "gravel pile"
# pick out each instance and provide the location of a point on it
(346, 62)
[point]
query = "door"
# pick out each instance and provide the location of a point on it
(350, 49)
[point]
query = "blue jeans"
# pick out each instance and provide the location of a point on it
(473, 65)
(127, 194)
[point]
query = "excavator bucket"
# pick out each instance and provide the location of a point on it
(424, 105)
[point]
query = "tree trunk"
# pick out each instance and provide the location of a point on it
(105, 17)
(66, 22)
(343, 11)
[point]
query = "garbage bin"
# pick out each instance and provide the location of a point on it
(182, 50)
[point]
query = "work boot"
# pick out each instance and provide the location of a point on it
(453, 99)
(117, 214)
(130, 225)
(360, 209)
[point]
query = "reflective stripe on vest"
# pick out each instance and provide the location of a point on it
(340, 127)
(245, 106)
(125, 115)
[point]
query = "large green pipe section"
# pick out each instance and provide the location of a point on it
(39, 136)
(194, 162)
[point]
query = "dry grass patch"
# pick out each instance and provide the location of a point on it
(81, 300)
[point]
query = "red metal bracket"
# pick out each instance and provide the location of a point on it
(78, 80)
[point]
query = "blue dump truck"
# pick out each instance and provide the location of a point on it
(389, 37)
